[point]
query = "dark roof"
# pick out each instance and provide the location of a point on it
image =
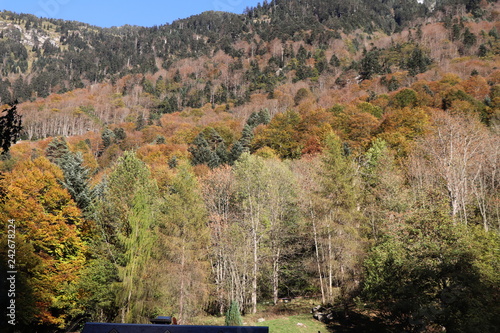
(150, 328)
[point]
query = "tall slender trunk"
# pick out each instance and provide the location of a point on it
(316, 248)
(276, 277)
(255, 271)
(330, 266)
(182, 287)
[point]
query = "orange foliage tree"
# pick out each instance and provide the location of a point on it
(48, 230)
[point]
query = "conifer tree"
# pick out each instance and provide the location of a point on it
(233, 316)
(56, 149)
(10, 128)
(264, 116)
(108, 137)
(77, 179)
(246, 137)
(236, 151)
(201, 152)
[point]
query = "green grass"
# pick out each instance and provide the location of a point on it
(294, 317)
(303, 323)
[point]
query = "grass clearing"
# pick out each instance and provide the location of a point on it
(292, 317)
(303, 323)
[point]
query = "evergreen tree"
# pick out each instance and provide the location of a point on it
(120, 134)
(222, 154)
(418, 62)
(334, 61)
(469, 39)
(201, 152)
(246, 137)
(77, 179)
(108, 137)
(236, 150)
(56, 149)
(264, 116)
(253, 120)
(233, 316)
(140, 122)
(370, 65)
(10, 128)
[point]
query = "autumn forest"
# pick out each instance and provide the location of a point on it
(341, 151)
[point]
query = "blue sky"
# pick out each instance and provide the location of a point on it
(107, 13)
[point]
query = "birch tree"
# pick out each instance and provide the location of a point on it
(448, 159)
(253, 192)
(282, 219)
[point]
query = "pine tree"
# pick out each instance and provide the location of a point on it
(108, 137)
(334, 61)
(246, 137)
(77, 179)
(10, 128)
(264, 116)
(253, 120)
(201, 152)
(236, 151)
(56, 149)
(233, 316)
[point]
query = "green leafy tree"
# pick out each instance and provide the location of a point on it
(432, 274)
(97, 284)
(253, 189)
(184, 239)
(341, 240)
(282, 134)
(128, 213)
(282, 221)
(384, 193)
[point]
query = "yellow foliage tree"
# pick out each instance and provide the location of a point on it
(48, 226)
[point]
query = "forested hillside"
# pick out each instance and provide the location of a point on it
(343, 151)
